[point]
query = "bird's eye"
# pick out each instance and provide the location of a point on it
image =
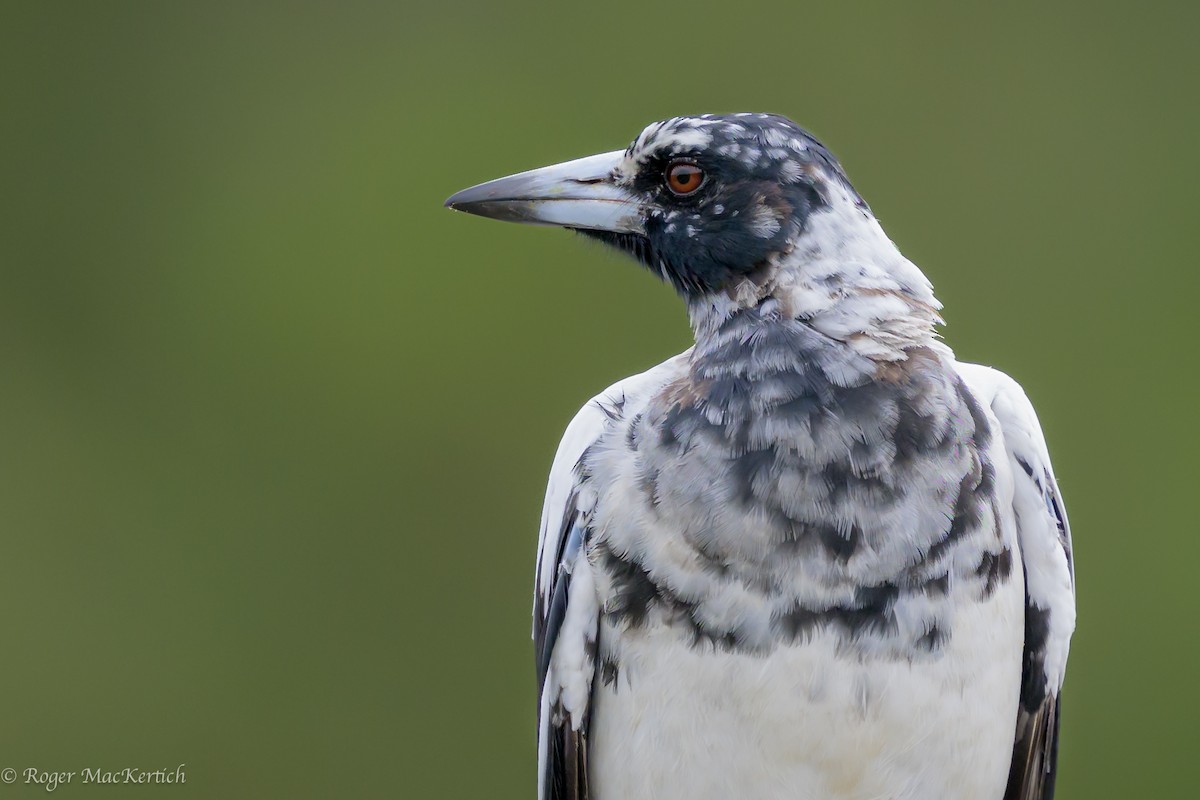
(684, 177)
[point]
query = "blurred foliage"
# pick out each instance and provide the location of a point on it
(275, 425)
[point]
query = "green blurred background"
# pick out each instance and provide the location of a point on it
(274, 425)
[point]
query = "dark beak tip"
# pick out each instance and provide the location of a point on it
(470, 201)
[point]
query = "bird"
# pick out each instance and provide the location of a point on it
(814, 556)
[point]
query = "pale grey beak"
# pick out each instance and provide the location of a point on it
(574, 194)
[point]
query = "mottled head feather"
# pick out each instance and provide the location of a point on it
(775, 219)
(764, 177)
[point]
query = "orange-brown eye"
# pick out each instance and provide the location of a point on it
(684, 177)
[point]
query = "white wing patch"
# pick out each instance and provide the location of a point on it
(1041, 518)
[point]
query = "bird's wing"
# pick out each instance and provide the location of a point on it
(566, 607)
(1045, 542)
(563, 580)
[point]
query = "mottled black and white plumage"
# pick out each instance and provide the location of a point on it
(814, 557)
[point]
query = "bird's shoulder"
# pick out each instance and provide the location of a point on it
(1025, 445)
(585, 428)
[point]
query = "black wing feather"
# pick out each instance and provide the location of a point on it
(1035, 755)
(565, 776)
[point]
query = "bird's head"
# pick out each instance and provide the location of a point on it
(729, 209)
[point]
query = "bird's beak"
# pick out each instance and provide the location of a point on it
(574, 194)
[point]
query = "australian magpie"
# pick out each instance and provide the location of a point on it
(813, 557)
